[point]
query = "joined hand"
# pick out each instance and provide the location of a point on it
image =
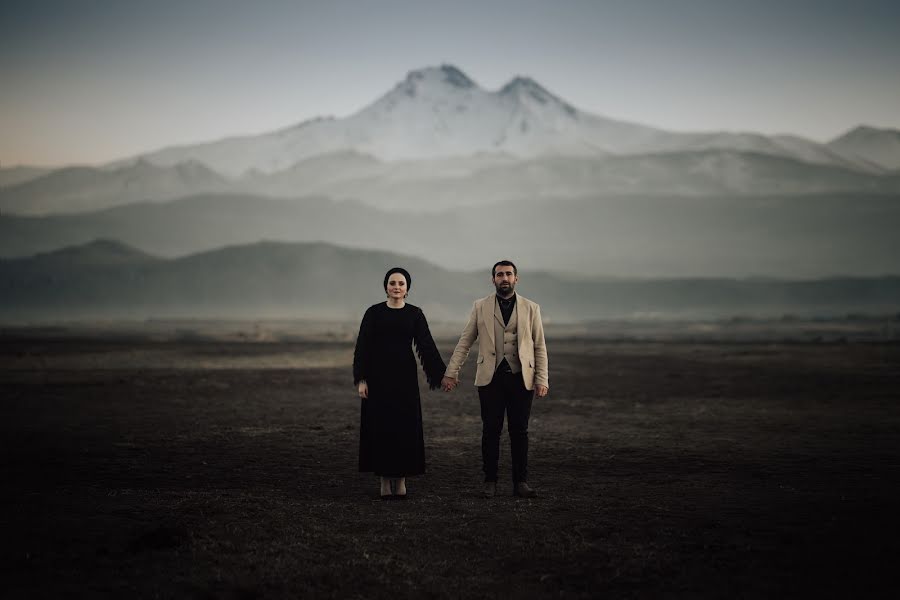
(449, 384)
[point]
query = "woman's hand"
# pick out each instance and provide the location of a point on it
(363, 389)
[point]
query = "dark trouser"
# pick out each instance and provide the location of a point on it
(505, 393)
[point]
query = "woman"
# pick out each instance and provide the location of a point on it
(391, 443)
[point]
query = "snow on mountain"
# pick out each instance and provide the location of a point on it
(432, 185)
(439, 112)
(433, 113)
(879, 146)
(803, 149)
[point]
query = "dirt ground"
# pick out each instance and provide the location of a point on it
(227, 469)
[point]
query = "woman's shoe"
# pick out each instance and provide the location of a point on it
(399, 488)
(387, 489)
(489, 489)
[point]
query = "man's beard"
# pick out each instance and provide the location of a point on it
(506, 291)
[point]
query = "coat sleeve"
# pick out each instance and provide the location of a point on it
(466, 339)
(541, 365)
(431, 360)
(362, 354)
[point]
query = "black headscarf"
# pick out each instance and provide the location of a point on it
(403, 272)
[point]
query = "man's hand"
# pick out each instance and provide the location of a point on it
(541, 390)
(363, 389)
(448, 384)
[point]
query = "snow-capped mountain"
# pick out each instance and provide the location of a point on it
(437, 184)
(433, 185)
(439, 112)
(879, 146)
(438, 140)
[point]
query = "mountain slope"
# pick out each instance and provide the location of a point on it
(265, 278)
(78, 189)
(439, 112)
(439, 184)
(317, 280)
(438, 140)
(10, 176)
(626, 235)
(878, 146)
(444, 184)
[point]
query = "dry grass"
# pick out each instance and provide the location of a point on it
(211, 470)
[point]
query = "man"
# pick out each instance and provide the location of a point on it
(512, 368)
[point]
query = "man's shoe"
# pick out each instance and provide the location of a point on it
(489, 490)
(523, 490)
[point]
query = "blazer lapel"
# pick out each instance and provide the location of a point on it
(487, 316)
(498, 314)
(520, 318)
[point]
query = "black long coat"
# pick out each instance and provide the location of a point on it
(391, 442)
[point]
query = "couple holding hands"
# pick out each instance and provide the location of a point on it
(512, 369)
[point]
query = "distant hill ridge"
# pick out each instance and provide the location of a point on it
(96, 252)
(628, 235)
(448, 183)
(107, 279)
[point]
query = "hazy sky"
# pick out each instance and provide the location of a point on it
(88, 81)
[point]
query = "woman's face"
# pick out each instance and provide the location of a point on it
(396, 287)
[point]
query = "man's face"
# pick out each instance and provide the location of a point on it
(505, 280)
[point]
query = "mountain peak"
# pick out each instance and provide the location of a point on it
(868, 130)
(525, 84)
(879, 146)
(444, 73)
(526, 87)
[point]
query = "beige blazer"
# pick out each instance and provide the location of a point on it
(532, 349)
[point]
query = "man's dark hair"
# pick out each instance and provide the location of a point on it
(504, 263)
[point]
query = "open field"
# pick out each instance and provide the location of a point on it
(226, 468)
